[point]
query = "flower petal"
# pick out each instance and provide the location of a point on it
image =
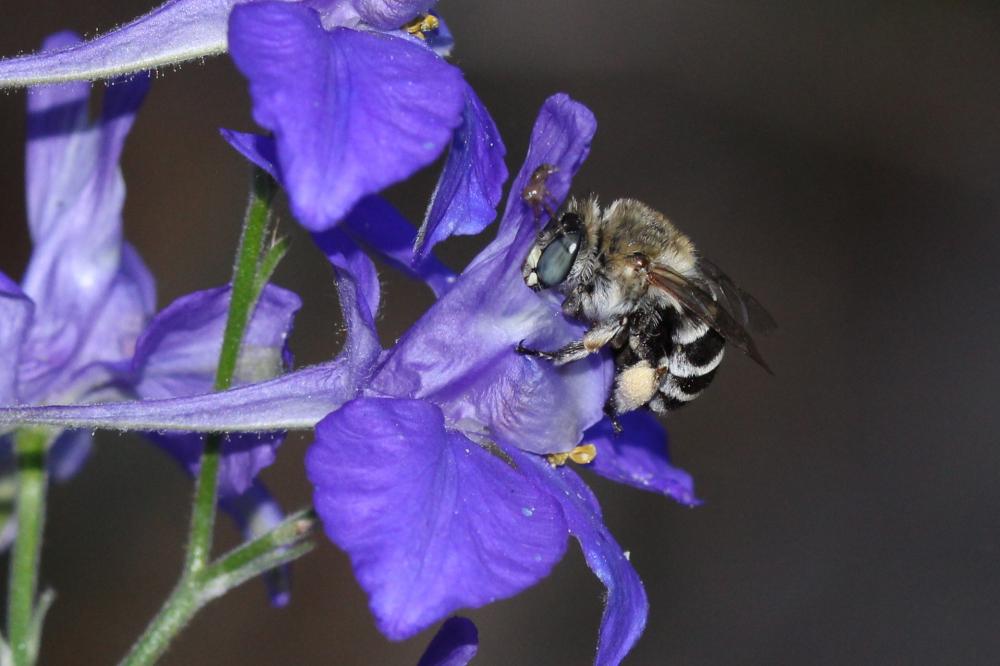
(68, 453)
(101, 362)
(75, 196)
(373, 221)
(296, 401)
(176, 31)
(389, 14)
(359, 291)
(432, 521)
(561, 138)
(178, 356)
(380, 227)
(244, 455)
(460, 354)
(352, 112)
(638, 457)
(441, 41)
(471, 182)
(178, 353)
(626, 607)
(455, 644)
(15, 318)
(108, 344)
(256, 513)
(257, 148)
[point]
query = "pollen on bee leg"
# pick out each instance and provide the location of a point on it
(636, 385)
(421, 25)
(581, 455)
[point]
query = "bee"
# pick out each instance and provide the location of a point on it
(665, 312)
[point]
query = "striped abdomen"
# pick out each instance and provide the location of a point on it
(695, 353)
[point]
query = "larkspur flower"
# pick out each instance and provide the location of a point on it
(353, 111)
(429, 461)
(80, 326)
(354, 91)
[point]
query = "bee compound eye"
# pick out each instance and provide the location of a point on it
(557, 258)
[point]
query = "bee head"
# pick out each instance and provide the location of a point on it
(552, 256)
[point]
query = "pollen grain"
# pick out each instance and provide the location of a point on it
(581, 455)
(421, 25)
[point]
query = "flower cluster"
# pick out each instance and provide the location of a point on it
(435, 462)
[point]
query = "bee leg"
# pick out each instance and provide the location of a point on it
(593, 340)
(612, 415)
(571, 352)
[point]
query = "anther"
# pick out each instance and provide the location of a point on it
(581, 455)
(421, 25)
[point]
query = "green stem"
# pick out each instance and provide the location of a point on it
(29, 451)
(201, 582)
(293, 528)
(243, 298)
(176, 612)
(280, 545)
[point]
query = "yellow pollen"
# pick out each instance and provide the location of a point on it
(581, 455)
(420, 26)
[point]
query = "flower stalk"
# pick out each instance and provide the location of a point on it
(202, 581)
(246, 290)
(285, 543)
(29, 450)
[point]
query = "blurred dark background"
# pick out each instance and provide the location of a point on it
(842, 161)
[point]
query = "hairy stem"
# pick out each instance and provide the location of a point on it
(283, 544)
(198, 584)
(32, 481)
(245, 292)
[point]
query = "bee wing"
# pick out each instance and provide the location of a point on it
(704, 307)
(739, 303)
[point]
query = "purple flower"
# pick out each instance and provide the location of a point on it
(354, 91)
(353, 111)
(431, 480)
(78, 330)
(429, 462)
(182, 30)
(86, 295)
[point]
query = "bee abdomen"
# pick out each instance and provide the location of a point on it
(691, 366)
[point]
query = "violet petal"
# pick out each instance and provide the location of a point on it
(359, 291)
(431, 520)
(467, 364)
(380, 227)
(257, 148)
(467, 193)
(626, 606)
(68, 453)
(178, 353)
(352, 112)
(108, 344)
(15, 318)
(389, 14)
(561, 138)
(373, 221)
(296, 401)
(454, 644)
(638, 457)
(75, 197)
(178, 356)
(175, 31)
